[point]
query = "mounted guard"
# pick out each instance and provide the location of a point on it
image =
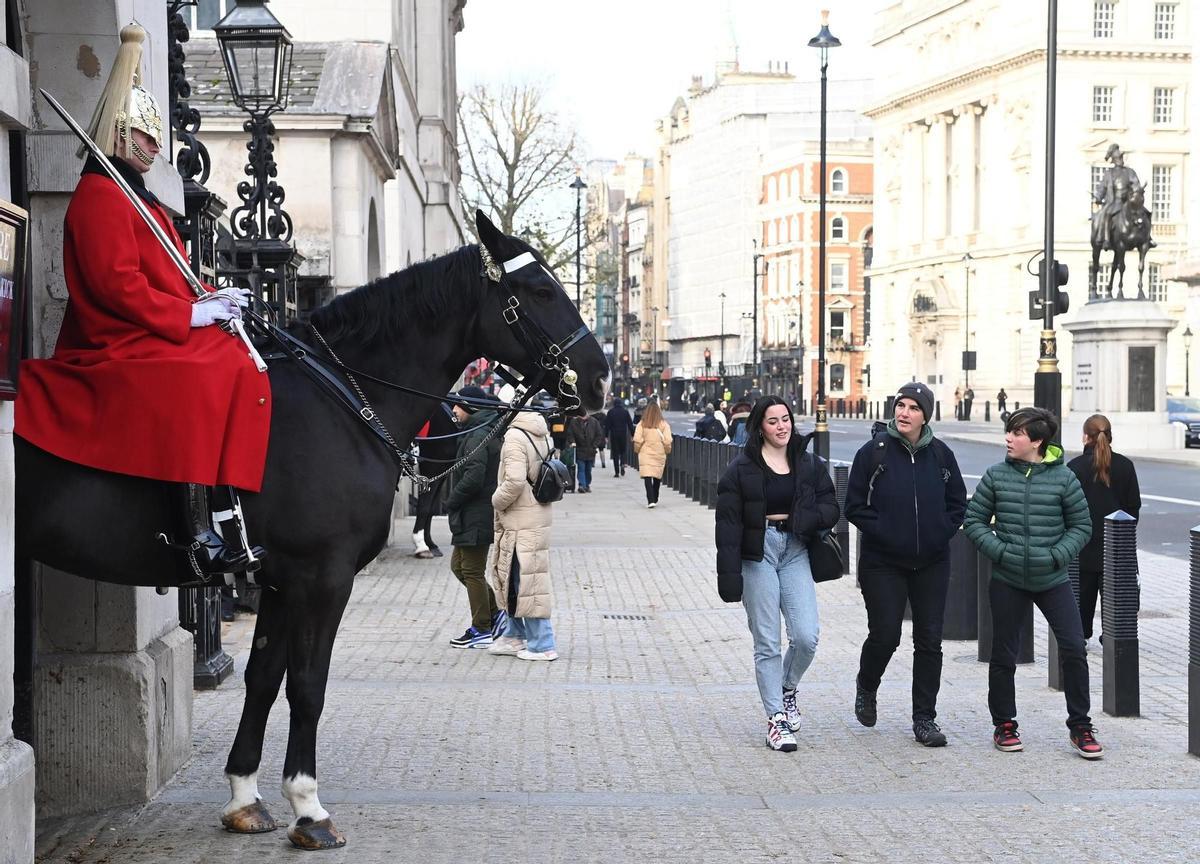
(140, 382)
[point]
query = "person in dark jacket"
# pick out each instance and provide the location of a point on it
(907, 498)
(586, 435)
(469, 506)
(772, 501)
(1041, 523)
(618, 426)
(708, 427)
(1109, 483)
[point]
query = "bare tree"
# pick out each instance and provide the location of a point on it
(517, 159)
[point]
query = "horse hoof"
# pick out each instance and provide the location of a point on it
(251, 819)
(307, 834)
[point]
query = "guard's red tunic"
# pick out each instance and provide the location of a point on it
(132, 387)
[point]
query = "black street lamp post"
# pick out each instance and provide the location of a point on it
(1047, 381)
(578, 185)
(756, 374)
(823, 41)
(1187, 362)
(721, 367)
(968, 361)
(257, 51)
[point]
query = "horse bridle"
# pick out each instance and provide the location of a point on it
(552, 356)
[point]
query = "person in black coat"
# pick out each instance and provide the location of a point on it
(906, 496)
(618, 428)
(1109, 483)
(772, 501)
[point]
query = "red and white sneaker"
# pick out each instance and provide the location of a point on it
(1083, 739)
(791, 711)
(1007, 738)
(779, 736)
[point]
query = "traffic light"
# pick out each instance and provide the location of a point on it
(1062, 301)
(707, 359)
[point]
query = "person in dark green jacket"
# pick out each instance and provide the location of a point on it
(1041, 521)
(469, 506)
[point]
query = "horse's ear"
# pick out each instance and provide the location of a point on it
(488, 233)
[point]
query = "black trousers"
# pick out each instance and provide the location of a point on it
(1089, 592)
(886, 590)
(652, 485)
(1009, 607)
(616, 449)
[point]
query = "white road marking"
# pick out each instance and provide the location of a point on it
(1185, 501)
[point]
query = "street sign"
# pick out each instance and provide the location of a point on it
(968, 361)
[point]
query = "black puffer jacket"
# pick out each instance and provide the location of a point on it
(1122, 493)
(742, 515)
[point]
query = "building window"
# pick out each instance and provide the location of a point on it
(838, 283)
(1161, 177)
(837, 326)
(1103, 14)
(1156, 287)
(1164, 106)
(837, 182)
(1102, 104)
(1164, 20)
(1097, 177)
(1103, 274)
(837, 228)
(206, 13)
(837, 376)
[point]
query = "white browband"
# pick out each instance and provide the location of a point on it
(520, 261)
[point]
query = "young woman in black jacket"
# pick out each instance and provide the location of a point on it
(771, 502)
(1109, 483)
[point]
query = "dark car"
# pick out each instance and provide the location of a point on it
(1186, 412)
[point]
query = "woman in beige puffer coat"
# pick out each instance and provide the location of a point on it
(652, 444)
(521, 554)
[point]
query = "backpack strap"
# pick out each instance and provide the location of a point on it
(878, 451)
(941, 452)
(544, 459)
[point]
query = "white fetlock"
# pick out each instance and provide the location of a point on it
(243, 792)
(301, 792)
(419, 542)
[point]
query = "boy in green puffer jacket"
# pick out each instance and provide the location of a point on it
(1041, 523)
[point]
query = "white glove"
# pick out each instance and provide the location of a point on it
(209, 312)
(240, 296)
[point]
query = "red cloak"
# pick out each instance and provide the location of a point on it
(132, 387)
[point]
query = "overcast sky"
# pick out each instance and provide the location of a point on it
(615, 67)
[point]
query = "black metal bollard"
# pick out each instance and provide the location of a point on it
(984, 650)
(962, 603)
(1053, 663)
(937, 410)
(1121, 594)
(987, 411)
(712, 474)
(200, 613)
(1194, 647)
(693, 468)
(841, 479)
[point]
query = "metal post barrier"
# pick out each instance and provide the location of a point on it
(694, 472)
(1053, 663)
(984, 651)
(710, 475)
(987, 411)
(961, 620)
(200, 613)
(1194, 647)
(841, 479)
(1120, 591)
(937, 410)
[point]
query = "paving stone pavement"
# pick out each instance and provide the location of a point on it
(644, 741)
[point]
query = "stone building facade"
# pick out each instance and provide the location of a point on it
(959, 168)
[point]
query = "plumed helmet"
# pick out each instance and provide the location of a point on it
(124, 104)
(1113, 150)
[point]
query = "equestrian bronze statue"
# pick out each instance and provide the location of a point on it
(1120, 223)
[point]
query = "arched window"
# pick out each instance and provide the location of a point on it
(772, 233)
(837, 228)
(795, 182)
(837, 182)
(773, 190)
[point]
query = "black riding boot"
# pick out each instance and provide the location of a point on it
(227, 513)
(213, 556)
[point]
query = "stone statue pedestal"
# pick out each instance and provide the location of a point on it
(1119, 359)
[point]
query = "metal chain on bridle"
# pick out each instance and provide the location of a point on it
(551, 359)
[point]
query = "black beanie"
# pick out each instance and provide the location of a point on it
(920, 394)
(472, 392)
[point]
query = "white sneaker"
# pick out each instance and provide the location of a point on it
(526, 654)
(779, 736)
(509, 645)
(651, 505)
(791, 711)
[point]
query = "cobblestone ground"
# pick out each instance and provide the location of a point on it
(644, 742)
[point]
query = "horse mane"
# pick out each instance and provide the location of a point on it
(425, 291)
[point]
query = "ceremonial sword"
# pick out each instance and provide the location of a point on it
(232, 326)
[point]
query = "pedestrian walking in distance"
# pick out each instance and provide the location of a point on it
(586, 435)
(469, 506)
(652, 443)
(521, 566)
(1001, 401)
(772, 501)
(907, 498)
(1041, 523)
(618, 426)
(1109, 483)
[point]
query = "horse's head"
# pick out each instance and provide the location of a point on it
(1137, 196)
(528, 322)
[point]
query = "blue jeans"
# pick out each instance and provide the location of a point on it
(781, 582)
(584, 467)
(537, 632)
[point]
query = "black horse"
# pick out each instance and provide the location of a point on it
(326, 500)
(1130, 230)
(436, 452)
